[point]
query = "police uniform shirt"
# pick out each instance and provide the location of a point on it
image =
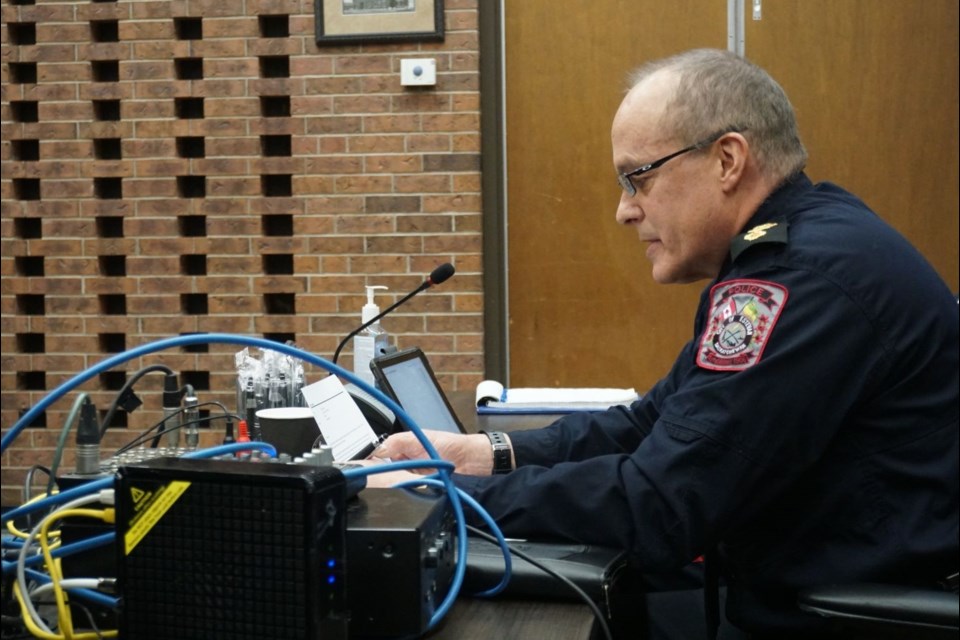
(809, 430)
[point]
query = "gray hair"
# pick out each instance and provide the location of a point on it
(718, 91)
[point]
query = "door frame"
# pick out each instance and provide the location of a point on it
(493, 190)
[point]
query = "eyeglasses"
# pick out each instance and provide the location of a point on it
(626, 183)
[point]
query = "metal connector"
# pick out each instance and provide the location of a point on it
(88, 440)
(191, 421)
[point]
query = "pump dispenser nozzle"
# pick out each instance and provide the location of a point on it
(371, 310)
(372, 340)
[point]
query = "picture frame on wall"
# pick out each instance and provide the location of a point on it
(378, 21)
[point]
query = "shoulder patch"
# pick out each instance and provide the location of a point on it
(742, 316)
(768, 233)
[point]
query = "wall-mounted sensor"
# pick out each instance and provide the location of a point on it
(418, 72)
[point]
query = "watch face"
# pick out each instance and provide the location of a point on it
(501, 462)
(501, 452)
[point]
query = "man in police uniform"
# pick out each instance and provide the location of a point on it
(809, 430)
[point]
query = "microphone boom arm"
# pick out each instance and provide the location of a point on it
(336, 354)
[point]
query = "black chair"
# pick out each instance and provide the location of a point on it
(886, 611)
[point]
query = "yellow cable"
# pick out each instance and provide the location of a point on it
(21, 534)
(16, 532)
(53, 566)
(40, 633)
(28, 619)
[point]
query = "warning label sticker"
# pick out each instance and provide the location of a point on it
(149, 507)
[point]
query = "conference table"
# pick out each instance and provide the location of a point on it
(478, 618)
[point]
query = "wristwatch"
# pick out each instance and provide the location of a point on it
(502, 453)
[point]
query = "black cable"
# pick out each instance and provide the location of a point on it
(121, 395)
(82, 607)
(144, 437)
(172, 393)
(438, 276)
(601, 619)
(161, 427)
(90, 618)
(147, 434)
(172, 397)
(343, 343)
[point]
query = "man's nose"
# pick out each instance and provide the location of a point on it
(628, 210)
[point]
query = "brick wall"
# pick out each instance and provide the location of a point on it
(181, 166)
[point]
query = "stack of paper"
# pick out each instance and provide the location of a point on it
(493, 397)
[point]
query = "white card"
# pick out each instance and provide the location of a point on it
(342, 425)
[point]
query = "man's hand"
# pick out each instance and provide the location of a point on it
(386, 479)
(471, 454)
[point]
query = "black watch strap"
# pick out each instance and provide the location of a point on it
(502, 453)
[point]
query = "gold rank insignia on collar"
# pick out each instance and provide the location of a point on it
(767, 233)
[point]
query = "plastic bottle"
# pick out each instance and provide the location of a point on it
(372, 341)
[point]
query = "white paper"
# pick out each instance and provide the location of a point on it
(585, 395)
(342, 425)
(492, 394)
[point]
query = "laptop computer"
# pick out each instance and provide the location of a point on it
(407, 377)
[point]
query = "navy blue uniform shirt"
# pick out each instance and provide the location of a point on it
(808, 431)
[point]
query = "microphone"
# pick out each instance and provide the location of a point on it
(438, 276)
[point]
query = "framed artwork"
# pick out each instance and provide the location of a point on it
(362, 21)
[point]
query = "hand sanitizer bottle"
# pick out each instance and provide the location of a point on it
(372, 341)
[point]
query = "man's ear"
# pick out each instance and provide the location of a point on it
(734, 153)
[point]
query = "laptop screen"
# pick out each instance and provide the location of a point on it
(406, 376)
